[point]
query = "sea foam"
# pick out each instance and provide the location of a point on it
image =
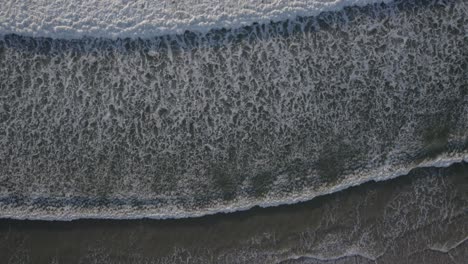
(144, 18)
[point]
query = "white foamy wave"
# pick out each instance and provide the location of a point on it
(144, 18)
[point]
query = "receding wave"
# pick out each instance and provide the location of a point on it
(198, 123)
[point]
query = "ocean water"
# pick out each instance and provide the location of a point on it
(348, 118)
(199, 123)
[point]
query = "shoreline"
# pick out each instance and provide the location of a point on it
(120, 214)
(301, 231)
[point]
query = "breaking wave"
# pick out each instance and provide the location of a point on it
(146, 19)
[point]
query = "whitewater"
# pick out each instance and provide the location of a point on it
(230, 115)
(146, 19)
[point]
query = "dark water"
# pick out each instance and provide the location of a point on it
(418, 218)
(190, 124)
